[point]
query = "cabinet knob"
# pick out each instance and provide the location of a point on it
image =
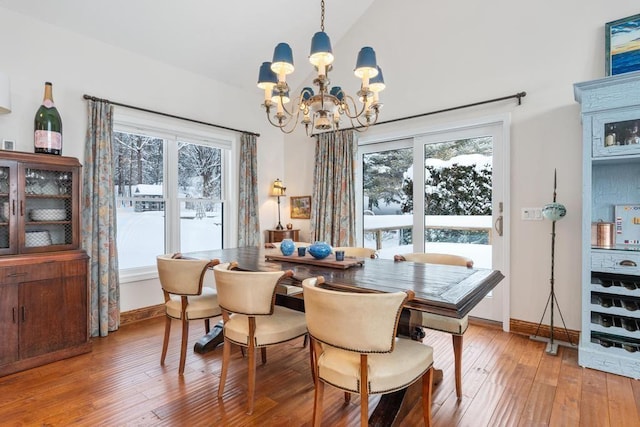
(628, 263)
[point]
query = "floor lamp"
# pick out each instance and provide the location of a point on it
(553, 212)
(278, 190)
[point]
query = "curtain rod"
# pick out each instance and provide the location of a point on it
(518, 95)
(93, 98)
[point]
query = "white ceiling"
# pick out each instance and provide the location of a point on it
(223, 40)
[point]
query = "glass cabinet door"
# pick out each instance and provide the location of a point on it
(5, 207)
(616, 134)
(47, 208)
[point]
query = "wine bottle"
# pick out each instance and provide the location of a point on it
(48, 125)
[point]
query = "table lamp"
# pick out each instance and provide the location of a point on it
(278, 190)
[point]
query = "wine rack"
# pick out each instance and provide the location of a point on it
(610, 335)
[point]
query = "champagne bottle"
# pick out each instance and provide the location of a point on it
(48, 125)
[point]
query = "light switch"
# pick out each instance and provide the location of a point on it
(532, 214)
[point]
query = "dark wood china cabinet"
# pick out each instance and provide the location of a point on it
(44, 307)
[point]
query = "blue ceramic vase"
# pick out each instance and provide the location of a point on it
(319, 250)
(287, 247)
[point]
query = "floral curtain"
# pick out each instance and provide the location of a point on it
(333, 214)
(99, 220)
(248, 221)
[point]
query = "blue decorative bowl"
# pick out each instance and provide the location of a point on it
(319, 250)
(287, 247)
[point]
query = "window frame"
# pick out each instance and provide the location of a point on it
(174, 130)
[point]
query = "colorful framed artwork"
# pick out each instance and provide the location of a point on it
(301, 207)
(623, 45)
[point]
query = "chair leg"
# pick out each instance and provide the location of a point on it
(457, 355)
(317, 402)
(165, 343)
(427, 381)
(263, 354)
(226, 356)
(207, 326)
(183, 344)
(312, 360)
(251, 353)
(364, 391)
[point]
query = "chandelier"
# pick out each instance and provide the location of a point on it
(323, 109)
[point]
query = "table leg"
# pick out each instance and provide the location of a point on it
(210, 341)
(394, 407)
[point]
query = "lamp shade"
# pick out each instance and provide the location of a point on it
(282, 59)
(337, 92)
(306, 93)
(267, 78)
(321, 49)
(278, 188)
(5, 94)
(376, 84)
(275, 97)
(366, 63)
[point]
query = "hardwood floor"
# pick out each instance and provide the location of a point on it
(508, 381)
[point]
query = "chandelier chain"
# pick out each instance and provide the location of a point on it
(322, 15)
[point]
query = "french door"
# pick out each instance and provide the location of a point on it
(451, 199)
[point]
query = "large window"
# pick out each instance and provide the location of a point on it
(170, 194)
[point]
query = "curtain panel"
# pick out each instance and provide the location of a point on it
(99, 220)
(333, 214)
(248, 215)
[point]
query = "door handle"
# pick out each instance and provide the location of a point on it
(498, 225)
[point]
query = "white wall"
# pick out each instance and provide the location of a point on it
(32, 52)
(437, 55)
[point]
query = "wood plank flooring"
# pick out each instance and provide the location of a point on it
(508, 380)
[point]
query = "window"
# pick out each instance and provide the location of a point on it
(170, 194)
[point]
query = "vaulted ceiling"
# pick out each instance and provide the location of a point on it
(224, 40)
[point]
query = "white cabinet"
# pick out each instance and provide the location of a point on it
(610, 336)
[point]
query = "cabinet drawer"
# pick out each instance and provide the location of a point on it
(616, 262)
(28, 273)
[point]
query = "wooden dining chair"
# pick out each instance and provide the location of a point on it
(251, 318)
(185, 297)
(451, 325)
(358, 252)
(356, 349)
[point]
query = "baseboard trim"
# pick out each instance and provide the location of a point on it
(528, 328)
(139, 314)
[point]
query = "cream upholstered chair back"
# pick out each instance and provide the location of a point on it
(185, 297)
(366, 322)
(246, 292)
(436, 258)
(357, 251)
(182, 276)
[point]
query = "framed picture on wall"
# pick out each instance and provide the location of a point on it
(301, 207)
(622, 40)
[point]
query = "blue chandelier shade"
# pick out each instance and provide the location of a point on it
(366, 62)
(321, 47)
(306, 93)
(376, 84)
(266, 76)
(337, 92)
(282, 59)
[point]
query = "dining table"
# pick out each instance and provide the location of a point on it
(440, 289)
